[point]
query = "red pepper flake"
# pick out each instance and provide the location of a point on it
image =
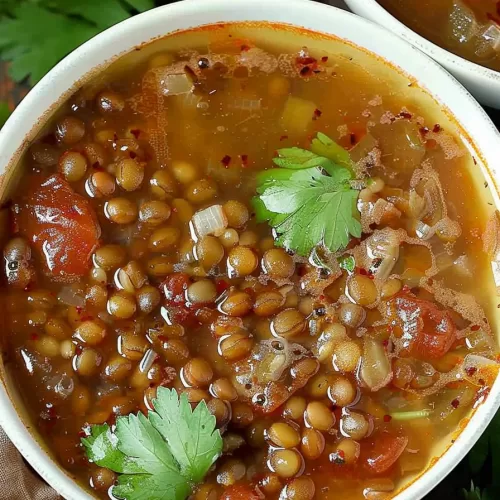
(244, 161)
(305, 60)
(317, 114)
(34, 336)
(305, 70)
(405, 115)
(455, 403)
(82, 434)
(226, 161)
(244, 48)
(436, 128)
(132, 155)
(79, 309)
(387, 418)
(385, 343)
(135, 132)
(362, 271)
(324, 59)
(283, 137)
(352, 139)
(481, 381)
(424, 130)
(78, 349)
(474, 160)
(221, 286)
(471, 370)
(475, 328)
(174, 209)
(321, 297)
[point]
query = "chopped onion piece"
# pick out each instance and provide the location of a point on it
(375, 369)
(423, 230)
(176, 84)
(463, 24)
(147, 360)
(71, 296)
(489, 41)
(211, 220)
(478, 369)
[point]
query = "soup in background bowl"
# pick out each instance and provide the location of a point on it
(460, 34)
(276, 226)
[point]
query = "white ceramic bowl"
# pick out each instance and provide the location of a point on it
(483, 83)
(61, 81)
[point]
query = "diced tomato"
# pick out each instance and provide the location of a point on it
(380, 453)
(61, 225)
(174, 289)
(239, 492)
(428, 331)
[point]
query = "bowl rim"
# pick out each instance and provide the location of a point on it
(442, 55)
(106, 47)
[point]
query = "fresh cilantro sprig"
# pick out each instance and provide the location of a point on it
(161, 456)
(36, 34)
(309, 200)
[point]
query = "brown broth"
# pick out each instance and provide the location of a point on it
(227, 131)
(468, 28)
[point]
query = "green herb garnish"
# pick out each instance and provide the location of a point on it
(410, 415)
(309, 201)
(36, 34)
(161, 456)
(347, 263)
(4, 112)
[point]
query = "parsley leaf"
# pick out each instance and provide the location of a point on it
(4, 112)
(324, 146)
(306, 207)
(159, 457)
(36, 34)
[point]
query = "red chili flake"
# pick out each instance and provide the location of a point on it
(424, 130)
(226, 161)
(82, 434)
(245, 48)
(321, 297)
(283, 137)
(174, 209)
(317, 114)
(387, 418)
(135, 132)
(436, 128)
(305, 70)
(362, 271)
(471, 370)
(34, 336)
(221, 286)
(474, 160)
(481, 381)
(352, 139)
(406, 115)
(78, 349)
(475, 328)
(455, 403)
(244, 161)
(305, 60)
(132, 155)
(385, 343)
(324, 58)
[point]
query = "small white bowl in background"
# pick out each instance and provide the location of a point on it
(483, 83)
(44, 99)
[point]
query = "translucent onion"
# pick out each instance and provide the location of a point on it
(375, 369)
(176, 84)
(478, 369)
(211, 220)
(71, 296)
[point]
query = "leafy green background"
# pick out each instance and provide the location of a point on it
(36, 34)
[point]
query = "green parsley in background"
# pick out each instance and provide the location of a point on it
(34, 36)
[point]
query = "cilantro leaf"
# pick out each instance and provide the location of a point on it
(159, 457)
(322, 145)
(175, 421)
(35, 35)
(307, 208)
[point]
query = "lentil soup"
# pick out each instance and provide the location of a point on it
(468, 28)
(145, 249)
